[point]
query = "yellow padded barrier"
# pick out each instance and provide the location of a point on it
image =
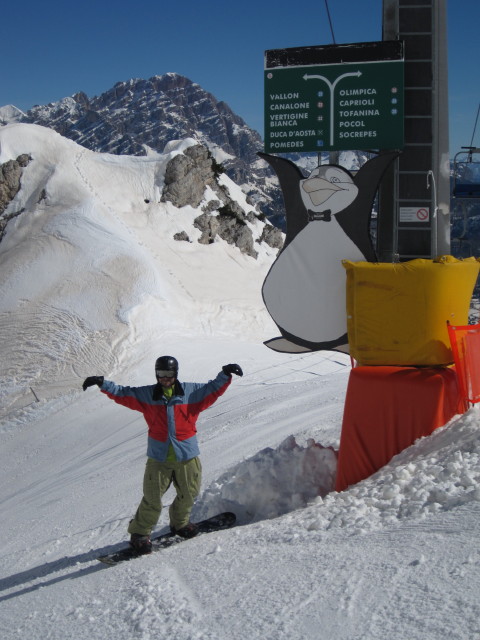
(397, 313)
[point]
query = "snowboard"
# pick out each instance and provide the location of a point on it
(215, 523)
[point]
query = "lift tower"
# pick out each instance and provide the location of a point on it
(414, 205)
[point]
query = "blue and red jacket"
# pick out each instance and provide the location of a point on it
(170, 421)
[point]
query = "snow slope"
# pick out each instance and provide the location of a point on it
(92, 282)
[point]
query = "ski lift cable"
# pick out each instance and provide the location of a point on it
(319, 155)
(330, 21)
(475, 126)
(466, 188)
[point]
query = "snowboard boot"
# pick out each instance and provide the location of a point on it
(141, 544)
(190, 530)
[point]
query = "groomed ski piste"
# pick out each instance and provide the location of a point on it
(92, 283)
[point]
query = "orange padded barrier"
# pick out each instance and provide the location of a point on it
(386, 409)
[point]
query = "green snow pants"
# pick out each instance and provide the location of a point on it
(186, 478)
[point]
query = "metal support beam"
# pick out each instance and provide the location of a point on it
(414, 202)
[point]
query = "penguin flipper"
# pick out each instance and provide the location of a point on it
(296, 344)
(283, 345)
(289, 176)
(369, 176)
(355, 219)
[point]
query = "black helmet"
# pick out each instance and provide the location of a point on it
(166, 363)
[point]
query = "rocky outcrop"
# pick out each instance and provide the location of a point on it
(272, 236)
(227, 226)
(187, 176)
(10, 174)
(10, 182)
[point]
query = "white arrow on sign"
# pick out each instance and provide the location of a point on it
(332, 86)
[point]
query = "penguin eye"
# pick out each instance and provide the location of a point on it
(334, 179)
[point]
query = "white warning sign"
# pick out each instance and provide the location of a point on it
(414, 214)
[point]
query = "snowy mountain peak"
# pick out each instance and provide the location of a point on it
(9, 113)
(151, 112)
(137, 115)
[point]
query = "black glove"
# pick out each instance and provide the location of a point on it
(228, 369)
(91, 380)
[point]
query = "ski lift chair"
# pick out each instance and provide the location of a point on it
(461, 245)
(463, 186)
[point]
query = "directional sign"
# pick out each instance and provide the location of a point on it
(344, 105)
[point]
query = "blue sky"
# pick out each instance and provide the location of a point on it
(54, 48)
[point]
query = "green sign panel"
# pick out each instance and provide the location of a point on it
(339, 106)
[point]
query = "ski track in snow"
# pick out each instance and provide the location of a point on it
(71, 343)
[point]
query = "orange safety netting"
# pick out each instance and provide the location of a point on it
(465, 341)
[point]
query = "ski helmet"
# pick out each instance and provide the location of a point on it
(167, 363)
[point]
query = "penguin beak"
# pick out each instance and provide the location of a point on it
(320, 190)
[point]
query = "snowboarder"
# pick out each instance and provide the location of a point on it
(170, 409)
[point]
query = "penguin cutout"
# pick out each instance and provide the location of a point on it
(328, 220)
